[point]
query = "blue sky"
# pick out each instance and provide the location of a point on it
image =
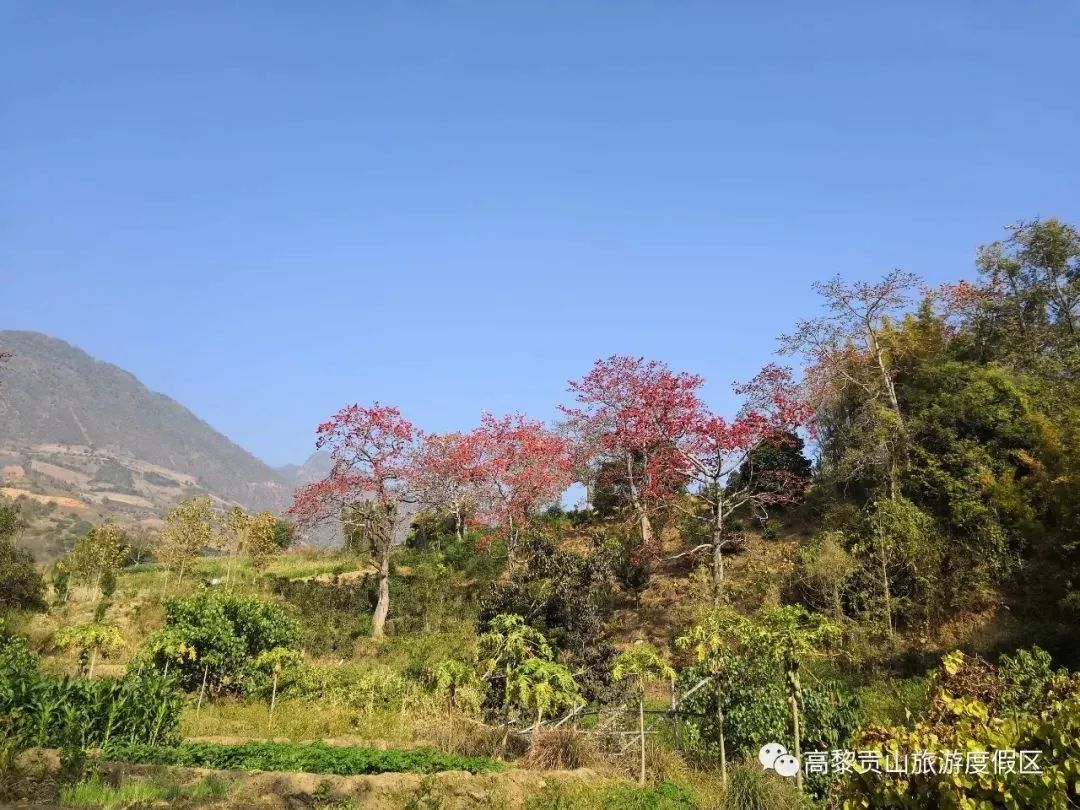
(268, 210)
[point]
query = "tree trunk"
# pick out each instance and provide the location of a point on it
(647, 535)
(506, 708)
(459, 528)
(382, 607)
(273, 700)
(675, 716)
(720, 726)
(793, 704)
(886, 592)
(641, 731)
(718, 550)
(180, 579)
(202, 689)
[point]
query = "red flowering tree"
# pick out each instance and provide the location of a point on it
(447, 476)
(370, 448)
(522, 466)
(632, 415)
(719, 456)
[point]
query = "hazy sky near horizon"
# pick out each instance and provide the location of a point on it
(269, 210)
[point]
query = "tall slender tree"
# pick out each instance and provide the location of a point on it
(633, 413)
(719, 456)
(370, 447)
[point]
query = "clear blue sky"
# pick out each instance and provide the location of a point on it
(267, 210)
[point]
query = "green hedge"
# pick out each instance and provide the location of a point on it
(309, 758)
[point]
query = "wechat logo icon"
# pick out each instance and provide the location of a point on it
(775, 756)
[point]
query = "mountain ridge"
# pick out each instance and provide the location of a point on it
(71, 421)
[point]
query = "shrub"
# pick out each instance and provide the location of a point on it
(751, 788)
(21, 586)
(308, 758)
(963, 716)
(555, 749)
(756, 709)
(332, 615)
(217, 637)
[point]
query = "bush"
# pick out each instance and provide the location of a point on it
(963, 715)
(751, 788)
(308, 758)
(556, 749)
(21, 586)
(332, 615)
(218, 637)
(756, 710)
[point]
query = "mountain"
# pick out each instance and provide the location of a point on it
(316, 468)
(91, 435)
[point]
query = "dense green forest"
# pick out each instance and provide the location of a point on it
(872, 570)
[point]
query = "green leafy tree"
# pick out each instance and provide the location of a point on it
(215, 638)
(639, 666)
(189, 529)
(21, 586)
(274, 663)
(97, 554)
(788, 635)
(541, 687)
(90, 641)
(260, 541)
(710, 644)
(502, 651)
(457, 683)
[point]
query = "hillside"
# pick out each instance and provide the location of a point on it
(89, 435)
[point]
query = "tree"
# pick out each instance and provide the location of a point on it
(788, 634)
(261, 541)
(522, 466)
(284, 534)
(21, 586)
(90, 641)
(719, 454)
(1029, 304)
(275, 662)
(97, 554)
(633, 413)
(503, 650)
(852, 349)
(447, 476)
(541, 687)
(456, 681)
(562, 594)
(640, 665)
(370, 448)
(234, 528)
(709, 642)
(822, 571)
(215, 639)
(189, 529)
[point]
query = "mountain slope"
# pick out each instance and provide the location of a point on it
(70, 423)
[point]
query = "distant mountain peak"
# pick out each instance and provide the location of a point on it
(76, 424)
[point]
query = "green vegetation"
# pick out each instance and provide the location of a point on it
(96, 793)
(81, 713)
(212, 641)
(914, 589)
(313, 758)
(21, 586)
